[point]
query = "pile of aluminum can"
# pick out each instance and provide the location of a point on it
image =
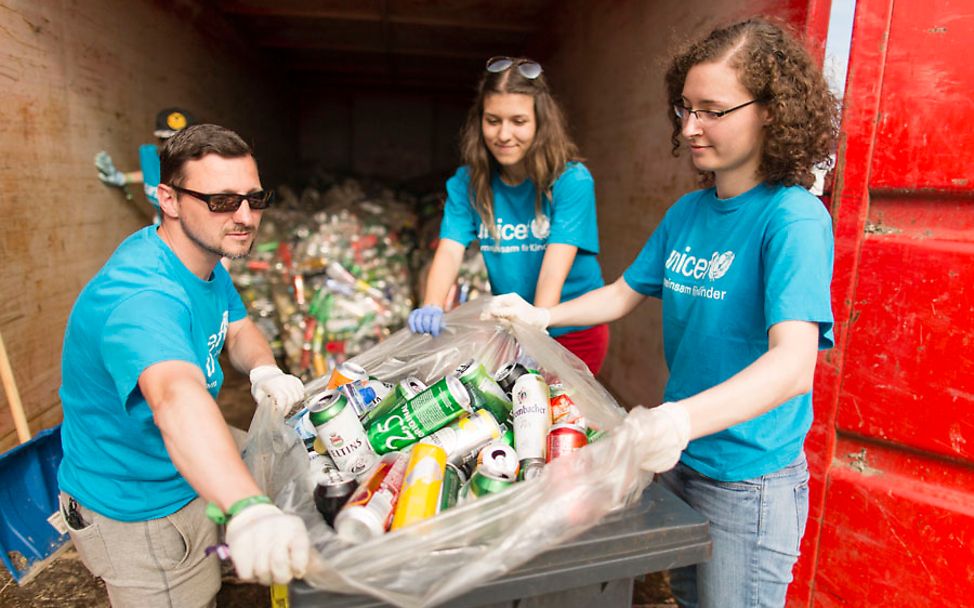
(387, 453)
(326, 285)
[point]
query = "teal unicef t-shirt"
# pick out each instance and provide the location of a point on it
(143, 307)
(727, 270)
(514, 261)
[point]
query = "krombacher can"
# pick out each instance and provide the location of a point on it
(485, 393)
(340, 430)
(429, 411)
(532, 416)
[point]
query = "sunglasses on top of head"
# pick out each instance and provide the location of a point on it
(525, 67)
(226, 202)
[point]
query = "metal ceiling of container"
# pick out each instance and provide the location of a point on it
(407, 44)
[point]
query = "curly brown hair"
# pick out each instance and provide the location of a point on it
(773, 66)
(545, 160)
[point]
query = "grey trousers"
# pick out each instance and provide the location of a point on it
(149, 564)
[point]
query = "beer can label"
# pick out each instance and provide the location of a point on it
(432, 409)
(563, 408)
(347, 443)
(532, 416)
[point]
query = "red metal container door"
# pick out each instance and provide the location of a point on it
(892, 450)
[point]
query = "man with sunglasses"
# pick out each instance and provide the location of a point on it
(145, 444)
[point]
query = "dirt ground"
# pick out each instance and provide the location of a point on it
(66, 583)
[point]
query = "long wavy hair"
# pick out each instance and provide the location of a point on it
(544, 161)
(773, 65)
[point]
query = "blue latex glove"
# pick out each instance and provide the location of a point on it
(107, 172)
(426, 320)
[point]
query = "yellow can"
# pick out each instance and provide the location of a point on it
(420, 495)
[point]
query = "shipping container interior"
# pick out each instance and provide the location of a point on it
(375, 88)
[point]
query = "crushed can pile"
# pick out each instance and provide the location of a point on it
(385, 453)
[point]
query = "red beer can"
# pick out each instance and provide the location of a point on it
(564, 439)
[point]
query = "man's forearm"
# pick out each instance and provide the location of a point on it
(200, 445)
(247, 347)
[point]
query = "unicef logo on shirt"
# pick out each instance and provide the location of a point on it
(541, 227)
(720, 265)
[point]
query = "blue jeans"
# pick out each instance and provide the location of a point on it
(756, 526)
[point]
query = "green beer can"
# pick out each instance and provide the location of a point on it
(429, 411)
(453, 480)
(483, 483)
(485, 392)
(401, 392)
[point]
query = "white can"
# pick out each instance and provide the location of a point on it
(532, 416)
(340, 430)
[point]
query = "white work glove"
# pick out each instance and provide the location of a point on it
(107, 172)
(284, 389)
(268, 545)
(511, 306)
(663, 432)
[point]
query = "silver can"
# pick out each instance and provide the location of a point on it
(463, 438)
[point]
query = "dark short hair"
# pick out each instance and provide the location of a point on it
(193, 143)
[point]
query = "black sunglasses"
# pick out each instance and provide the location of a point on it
(525, 67)
(228, 202)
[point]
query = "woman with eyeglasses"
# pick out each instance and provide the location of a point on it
(743, 268)
(524, 194)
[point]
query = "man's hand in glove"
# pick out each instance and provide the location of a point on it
(663, 432)
(107, 172)
(285, 390)
(511, 306)
(268, 545)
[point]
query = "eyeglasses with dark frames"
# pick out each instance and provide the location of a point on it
(707, 117)
(525, 67)
(226, 202)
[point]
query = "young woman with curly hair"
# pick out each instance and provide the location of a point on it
(743, 269)
(523, 192)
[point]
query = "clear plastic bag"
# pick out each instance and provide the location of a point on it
(434, 560)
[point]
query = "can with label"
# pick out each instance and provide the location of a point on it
(484, 391)
(499, 459)
(532, 416)
(531, 468)
(361, 395)
(420, 496)
(345, 373)
(508, 374)
(453, 480)
(343, 435)
(564, 439)
(400, 393)
(563, 409)
(368, 512)
(463, 438)
(332, 491)
(429, 411)
(483, 483)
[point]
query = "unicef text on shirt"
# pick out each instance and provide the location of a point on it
(538, 228)
(698, 267)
